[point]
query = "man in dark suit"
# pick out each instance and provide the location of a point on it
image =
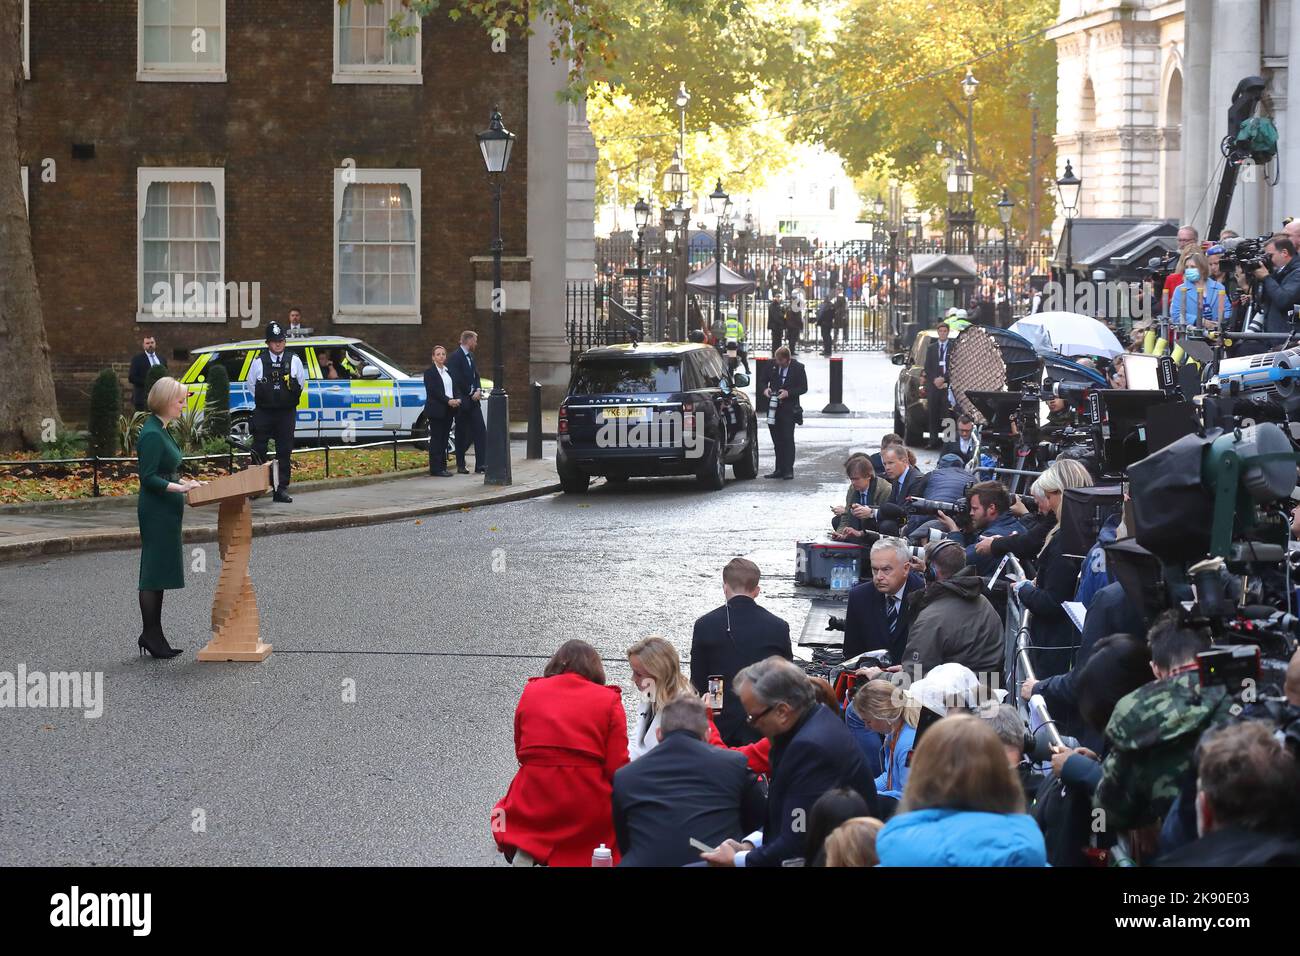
(908, 482)
(1279, 291)
(787, 381)
(936, 383)
(440, 404)
(877, 615)
(138, 375)
(682, 789)
(469, 416)
(812, 752)
(732, 637)
(964, 446)
(776, 319)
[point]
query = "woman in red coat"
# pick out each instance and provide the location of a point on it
(570, 737)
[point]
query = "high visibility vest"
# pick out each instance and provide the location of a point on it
(735, 330)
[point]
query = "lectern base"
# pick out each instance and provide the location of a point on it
(214, 653)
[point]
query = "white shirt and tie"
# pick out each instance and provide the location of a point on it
(152, 357)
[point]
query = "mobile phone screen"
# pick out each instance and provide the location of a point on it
(715, 692)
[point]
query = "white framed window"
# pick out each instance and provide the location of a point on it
(181, 41)
(27, 39)
(377, 246)
(365, 52)
(180, 224)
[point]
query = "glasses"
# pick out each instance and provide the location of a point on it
(754, 718)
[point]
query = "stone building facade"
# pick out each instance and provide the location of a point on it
(1143, 89)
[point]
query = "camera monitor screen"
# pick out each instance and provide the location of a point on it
(1141, 373)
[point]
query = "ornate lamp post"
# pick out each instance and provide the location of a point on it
(1005, 206)
(1067, 188)
(495, 143)
(720, 206)
(675, 184)
(641, 212)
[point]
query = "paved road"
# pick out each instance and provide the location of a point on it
(437, 621)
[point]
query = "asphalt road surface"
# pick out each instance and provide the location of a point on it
(434, 624)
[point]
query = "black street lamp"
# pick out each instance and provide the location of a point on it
(720, 206)
(1005, 206)
(641, 212)
(495, 143)
(969, 87)
(676, 183)
(1067, 187)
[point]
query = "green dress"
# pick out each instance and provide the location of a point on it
(162, 566)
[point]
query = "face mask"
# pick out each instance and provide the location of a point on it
(1192, 275)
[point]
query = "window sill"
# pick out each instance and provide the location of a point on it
(377, 318)
(165, 76)
(148, 316)
(405, 79)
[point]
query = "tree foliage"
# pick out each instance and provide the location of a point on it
(895, 90)
(105, 409)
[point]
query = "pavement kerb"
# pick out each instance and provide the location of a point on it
(119, 539)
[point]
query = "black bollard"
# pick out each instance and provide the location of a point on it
(535, 423)
(837, 406)
(761, 364)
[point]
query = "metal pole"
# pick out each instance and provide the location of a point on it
(1069, 234)
(535, 423)
(1006, 265)
(498, 438)
(640, 263)
(1033, 168)
(717, 274)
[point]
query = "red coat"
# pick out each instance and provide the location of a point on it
(570, 737)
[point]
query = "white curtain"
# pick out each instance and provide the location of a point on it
(182, 234)
(377, 261)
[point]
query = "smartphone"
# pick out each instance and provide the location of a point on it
(701, 846)
(715, 692)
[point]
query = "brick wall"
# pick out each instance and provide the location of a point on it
(279, 127)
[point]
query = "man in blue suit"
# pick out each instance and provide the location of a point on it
(682, 789)
(469, 417)
(812, 752)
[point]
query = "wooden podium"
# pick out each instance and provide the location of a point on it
(234, 608)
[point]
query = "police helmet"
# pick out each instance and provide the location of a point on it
(274, 332)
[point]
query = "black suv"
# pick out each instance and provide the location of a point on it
(911, 409)
(655, 409)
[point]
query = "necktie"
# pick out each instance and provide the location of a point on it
(891, 613)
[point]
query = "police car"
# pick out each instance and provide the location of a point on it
(353, 392)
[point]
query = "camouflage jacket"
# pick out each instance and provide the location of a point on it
(1151, 740)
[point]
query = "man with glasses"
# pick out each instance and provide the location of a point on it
(812, 752)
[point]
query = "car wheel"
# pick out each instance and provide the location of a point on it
(420, 431)
(747, 467)
(241, 429)
(713, 476)
(572, 481)
(914, 433)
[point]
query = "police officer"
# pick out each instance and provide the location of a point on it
(735, 332)
(277, 382)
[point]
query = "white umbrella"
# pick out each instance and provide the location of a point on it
(1069, 333)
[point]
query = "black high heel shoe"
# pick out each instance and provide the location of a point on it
(166, 650)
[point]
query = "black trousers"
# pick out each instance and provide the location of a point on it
(782, 433)
(470, 428)
(439, 429)
(826, 340)
(278, 424)
(938, 407)
(777, 335)
(792, 340)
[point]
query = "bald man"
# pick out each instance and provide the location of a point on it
(1292, 230)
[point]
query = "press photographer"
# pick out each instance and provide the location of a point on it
(990, 514)
(1279, 292)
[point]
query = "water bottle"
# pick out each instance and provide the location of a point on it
(771, 409)
(835, 577)
(602, 856)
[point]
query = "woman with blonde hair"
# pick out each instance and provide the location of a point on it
(657, 674)
(882, 707)
(1052, 633)
(853, 843)
(963, 804)
(160, 509)
(1201, 298)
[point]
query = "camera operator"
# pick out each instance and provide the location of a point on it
(1034, 529)
(1057, 576)
(1059, 414)
(1279, 291)
(948, 482)
(1153, 731)
(990, 514)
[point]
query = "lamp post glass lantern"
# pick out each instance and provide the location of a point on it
(495, 144)
(1067, 188)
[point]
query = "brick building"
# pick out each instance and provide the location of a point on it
(288, 144)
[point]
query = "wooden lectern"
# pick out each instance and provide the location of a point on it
(234, 608)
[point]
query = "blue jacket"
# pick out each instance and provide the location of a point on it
(1095, 575)
(1212, 303)
(897, 765)
(1007, 524)
(961, 838)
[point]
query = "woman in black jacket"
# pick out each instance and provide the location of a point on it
(1052, 631)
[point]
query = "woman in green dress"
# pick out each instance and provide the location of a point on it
(161, 504)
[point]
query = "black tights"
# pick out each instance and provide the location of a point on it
(151, 613)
